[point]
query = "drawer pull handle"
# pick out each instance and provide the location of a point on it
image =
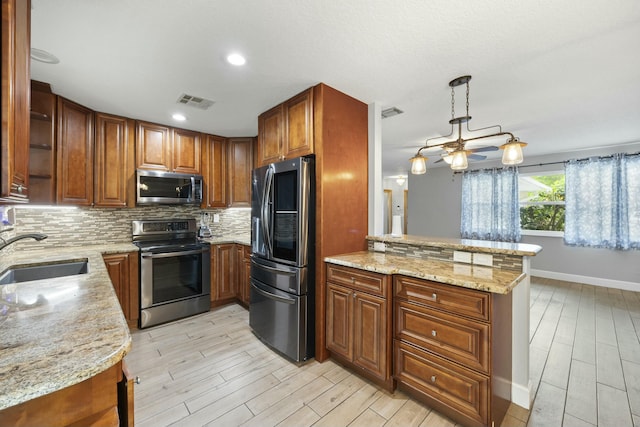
(353, 280)
(433, 378)
(434, 296)
(434, 333)
(354, 294)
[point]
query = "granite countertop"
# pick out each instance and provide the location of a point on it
(58, 332)
(482, 278)
(486, 246)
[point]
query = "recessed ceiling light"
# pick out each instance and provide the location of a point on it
(179, 117)
(43, 56)
(236, 59)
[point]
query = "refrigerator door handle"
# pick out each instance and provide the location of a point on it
(266, 210)
(269, 295)
(277, 270)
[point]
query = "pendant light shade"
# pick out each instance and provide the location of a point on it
(418, 164)
(512, 154)
(459, 160)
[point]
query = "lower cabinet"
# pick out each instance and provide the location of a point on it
(359, 322)
(223, 274)
(452, 349)
(123, 272)
(93, 402)
(243, 262)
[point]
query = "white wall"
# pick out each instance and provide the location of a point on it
(434, 210)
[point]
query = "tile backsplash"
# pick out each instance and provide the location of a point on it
(96, 226)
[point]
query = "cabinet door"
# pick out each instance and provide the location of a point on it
(114, 164)
(243, 273)
(298, 112)
(224, 277)
(153, 147)
(270, 135)
(215, 171)
(186, 151)
(370, 334)
(74, 154)
(123, 272)
(239, 175)
(340, 320)
(14, 152)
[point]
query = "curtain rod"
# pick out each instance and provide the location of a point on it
(557, 163)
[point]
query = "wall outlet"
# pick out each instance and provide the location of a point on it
(459, 256)
(379, 246)
(216, 217)
(483, 259)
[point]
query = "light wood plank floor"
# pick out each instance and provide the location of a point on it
(211, 370)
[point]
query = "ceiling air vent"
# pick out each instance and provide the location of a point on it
(194, 101)
(390, 112)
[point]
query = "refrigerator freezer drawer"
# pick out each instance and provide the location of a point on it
(281, 320)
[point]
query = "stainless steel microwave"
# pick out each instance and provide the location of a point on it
(169, 188)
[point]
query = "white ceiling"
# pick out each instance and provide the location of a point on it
(561, 75)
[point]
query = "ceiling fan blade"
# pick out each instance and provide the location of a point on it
(481, 149)
(476, 157)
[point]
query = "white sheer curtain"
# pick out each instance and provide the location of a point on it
(490, 209)
(603, 202)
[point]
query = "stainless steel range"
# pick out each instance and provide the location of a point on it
(175, 275)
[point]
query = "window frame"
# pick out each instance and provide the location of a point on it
(541, 233)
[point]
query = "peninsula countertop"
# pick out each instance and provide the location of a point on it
(495, 280)
(55, 333)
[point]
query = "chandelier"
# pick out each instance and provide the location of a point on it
(456, 154)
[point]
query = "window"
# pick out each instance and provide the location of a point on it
(542, 203)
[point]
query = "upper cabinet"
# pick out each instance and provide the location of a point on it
(166, 149)
(42, 150)
(186, 151)
(14, 148)
(286, 131)
(240, 158)
(215, 171)
(114, 161)
(74, 172)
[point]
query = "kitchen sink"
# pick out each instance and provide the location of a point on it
(28, 273)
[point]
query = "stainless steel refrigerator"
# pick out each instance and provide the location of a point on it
(281, 310)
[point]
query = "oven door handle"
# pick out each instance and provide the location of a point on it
(269, 295)
(172, 254)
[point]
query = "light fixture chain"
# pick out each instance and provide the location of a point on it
(453, 103)
(467, 99)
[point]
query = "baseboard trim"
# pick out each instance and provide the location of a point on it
(596, 281)
(521, 396)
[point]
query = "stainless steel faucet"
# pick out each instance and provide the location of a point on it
(36, 236)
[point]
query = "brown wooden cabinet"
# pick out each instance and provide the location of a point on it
(164, 148)
(186, 151)
(93, 402)
(74, 170)
(240, 161)
(114, 161)
(42, 148)
(223, 274)
(243, 262)
(286, 131)
(447, 349)
(215, 171)
(123, 272)
(14, 146)
(153, 146)
(359, 321)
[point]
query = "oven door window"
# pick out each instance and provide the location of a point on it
(176, 277)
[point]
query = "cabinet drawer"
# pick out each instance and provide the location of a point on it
(457, 338)
(357, 279)
(442, 383)
(451, 298)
